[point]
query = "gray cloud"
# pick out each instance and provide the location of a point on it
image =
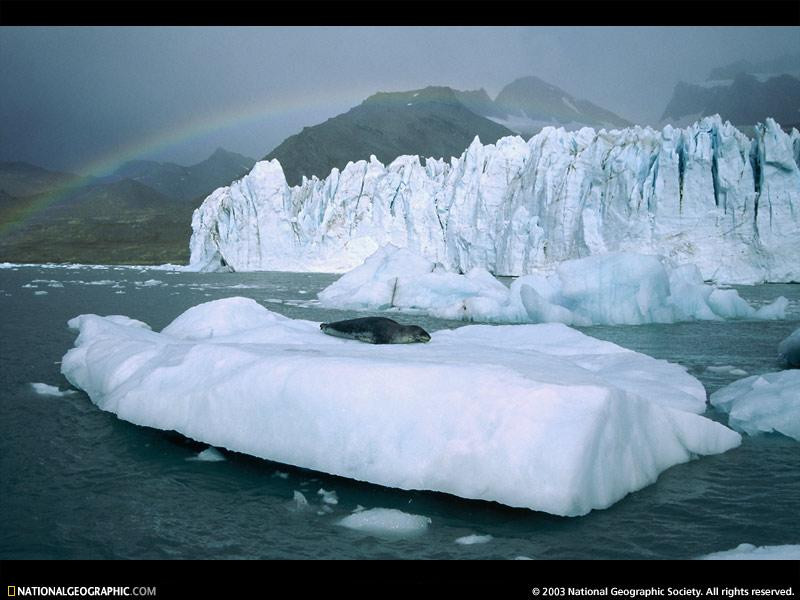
(74, 95)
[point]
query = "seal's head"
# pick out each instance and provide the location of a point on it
(411, 334)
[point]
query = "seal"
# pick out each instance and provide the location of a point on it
(376, 330)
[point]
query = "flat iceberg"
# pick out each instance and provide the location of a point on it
(613, 289)
(789, 350)
(751, 552)
(534, 416)
(763, 403)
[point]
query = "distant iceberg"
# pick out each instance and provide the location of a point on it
(763, 403)
(612, 289)
(534, 416)
(706, 195)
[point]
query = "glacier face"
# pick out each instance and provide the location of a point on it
(706, 194)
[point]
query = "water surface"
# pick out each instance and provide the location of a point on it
(76, 482)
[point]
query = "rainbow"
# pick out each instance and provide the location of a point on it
(184, 132)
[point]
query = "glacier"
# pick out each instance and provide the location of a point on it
(619, 288)
(706, 194)
(534, 416)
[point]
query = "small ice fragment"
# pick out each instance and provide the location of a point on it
(44, 389)
(726, 369)
(385, 521)
(751, 552)
(281, 474)
(328, 497)
(522, 558)
(468, 540)
(40, 293)
(210, 454)
(300, 501)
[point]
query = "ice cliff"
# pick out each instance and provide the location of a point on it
(707, 195)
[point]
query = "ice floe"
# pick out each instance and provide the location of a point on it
(535, 416)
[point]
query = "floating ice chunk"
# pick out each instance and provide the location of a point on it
(789, 350)
(773, 311)
(468, 540)
(729, 369)
(40, 293)
(522, 558)
(536, 416)
(763, 403)
(328, 497)
(751, 552)
(210, 454)
(299, 500)
(44, 389)
(616, 288)
(386, 521)
(281, 475)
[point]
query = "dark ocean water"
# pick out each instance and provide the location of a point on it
(76, 482)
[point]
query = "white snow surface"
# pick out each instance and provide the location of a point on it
(751, 552)
(617, 288)
(789, 350)
(705, 194)
(763, 403)
(385, 521)
(535, 416)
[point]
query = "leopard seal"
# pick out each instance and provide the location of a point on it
(376, 330)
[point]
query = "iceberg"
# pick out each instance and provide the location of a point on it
(789, 350)
(535, 416)
(610, 289)
(762, 403)
(706, 195)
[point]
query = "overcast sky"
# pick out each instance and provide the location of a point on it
(78, 97)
